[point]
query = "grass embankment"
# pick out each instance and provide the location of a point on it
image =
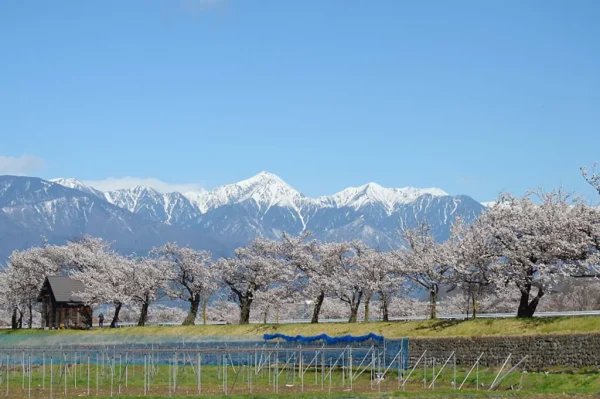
(428, 328)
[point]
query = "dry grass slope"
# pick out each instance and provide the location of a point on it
(429, 328)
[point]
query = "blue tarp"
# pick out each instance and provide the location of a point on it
(345, 339)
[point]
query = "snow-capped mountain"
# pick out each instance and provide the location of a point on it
(170, 208)
(77, 185)
(374, 194)
(32, 208)
(265, 190)
(221, 219)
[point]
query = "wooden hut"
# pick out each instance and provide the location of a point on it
(61, 308)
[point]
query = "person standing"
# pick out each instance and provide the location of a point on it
(101, 320)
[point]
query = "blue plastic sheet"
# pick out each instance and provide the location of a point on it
(345, 339)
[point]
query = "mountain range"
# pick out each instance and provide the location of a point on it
(221, 219)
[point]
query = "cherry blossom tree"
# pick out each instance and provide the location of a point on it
(223, 312)
(80, 254)
(166, 314)
(379, 272)
(23, 279)
(315, 276)
(473, 255)
(348, 283)
(592, 177)
(333, 308)
(538, 243)
(404, 306)
(425, 263)
(107, 280)
(148, 278)
(194, 276)
(12, 297)
(254, 268)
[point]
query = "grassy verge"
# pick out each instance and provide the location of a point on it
(428, 328)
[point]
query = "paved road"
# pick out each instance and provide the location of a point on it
(412, 318)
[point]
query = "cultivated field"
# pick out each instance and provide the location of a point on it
(155, 382)
(128, 372)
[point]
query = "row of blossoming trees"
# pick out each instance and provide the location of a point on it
(521, 246)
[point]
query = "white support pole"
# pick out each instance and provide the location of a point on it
(357, 374)
(413, 369)
(112, 376)
(301, 373)
(199, 374)
(120, 373)
(496, 383)
(425, 373)
(88, 374)
(470, 371)
(97, 372)
(330, 368)
(382, 375)
(29, 379)
(435, 376)
(66, 365)
(432, 385)
(350, 367)
(500, 372)
(454, 374)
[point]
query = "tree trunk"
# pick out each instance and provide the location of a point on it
(384, 307)
(204, 306)
(144, 313)
(266, 315)
(115, 319)
(20, 322)
(190, 320)
(14, 320)
(367, 303)
(354, 305)
(474, 306)
(245, 303)
(527, 308)
(30, 309)
(317, 308)
(433, 297)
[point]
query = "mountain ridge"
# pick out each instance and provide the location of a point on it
(268, 189)
(220, 219)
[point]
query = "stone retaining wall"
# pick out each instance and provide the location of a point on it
(543, 351)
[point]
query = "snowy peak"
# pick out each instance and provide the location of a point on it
(77, 185)
(169, 208)
(373, 194)
(263, 205)
(265, 190)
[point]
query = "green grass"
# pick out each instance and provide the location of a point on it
(583, 383)
(428, 328)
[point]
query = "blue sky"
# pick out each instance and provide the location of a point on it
(473, 97)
